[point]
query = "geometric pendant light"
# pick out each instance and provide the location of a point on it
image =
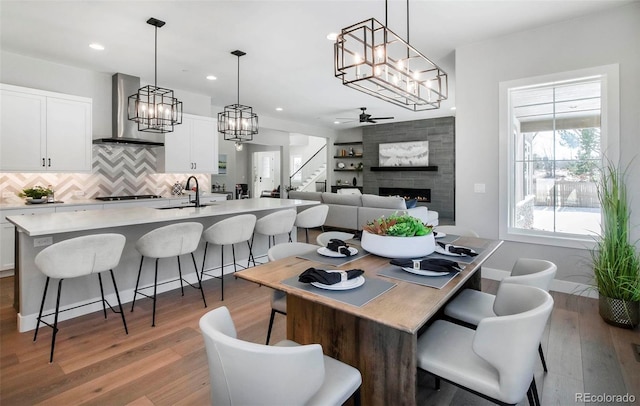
(238, 122)
(371, 58)
(154, 108)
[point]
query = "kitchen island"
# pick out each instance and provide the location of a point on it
(36, 232)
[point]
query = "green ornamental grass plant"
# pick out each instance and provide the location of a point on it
(616, 264)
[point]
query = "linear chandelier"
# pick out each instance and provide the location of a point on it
(237, 122)
(154, 108)
(371, 58)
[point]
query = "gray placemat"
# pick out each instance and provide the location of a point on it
(451, 239)
(314, 256)
(438, 282)
(359, 296)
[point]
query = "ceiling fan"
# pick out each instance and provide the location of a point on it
(366, 118)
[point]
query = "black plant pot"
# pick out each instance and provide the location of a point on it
(619, 313)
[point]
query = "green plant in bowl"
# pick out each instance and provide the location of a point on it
(398, 236)
(398, 226)
(36, 192)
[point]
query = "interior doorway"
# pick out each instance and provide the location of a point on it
(266, 171)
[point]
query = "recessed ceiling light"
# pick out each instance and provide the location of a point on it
(211, 77)
(336, 122)
(96, 46)
(279, 109)
(332, 36)
(453, 108)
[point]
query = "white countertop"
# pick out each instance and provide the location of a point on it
(9, 204)
(55, 223)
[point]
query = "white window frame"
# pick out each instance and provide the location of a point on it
(609, 142)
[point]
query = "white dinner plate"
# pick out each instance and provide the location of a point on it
(442, 251)
(346, 285)
(328, 253)
(439, 234)
(424, 272)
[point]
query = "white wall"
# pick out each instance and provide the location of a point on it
(605, 38)
(25, 71)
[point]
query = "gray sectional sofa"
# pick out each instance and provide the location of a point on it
(354, 211)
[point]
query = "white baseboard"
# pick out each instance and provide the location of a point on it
(29, 321)
(572, 288)
(5, 273)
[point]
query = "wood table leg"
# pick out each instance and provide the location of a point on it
(386, 357)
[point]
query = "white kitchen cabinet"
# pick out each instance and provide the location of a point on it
(44, 131)
(192, 147)
(7, 233)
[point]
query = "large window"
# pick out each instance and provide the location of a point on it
(555, 141)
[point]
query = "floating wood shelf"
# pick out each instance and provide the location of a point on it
(404, 168)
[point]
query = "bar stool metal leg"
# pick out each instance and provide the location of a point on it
(115, 287)
(180, 275)
(44, 296)
(104, 306)
(135, 291)
(155, 289)
(55, 321)
(193, 258)
(222, 272)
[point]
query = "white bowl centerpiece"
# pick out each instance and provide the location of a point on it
(398, 236)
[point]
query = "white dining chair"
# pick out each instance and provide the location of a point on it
(471, 306)
(495, 361)
(76, 257)
(279, 298)
(245, 373)
(324, 238)
(312, 217)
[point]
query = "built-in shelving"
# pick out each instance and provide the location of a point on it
(404, 168)
(347, 156)
(348, 143)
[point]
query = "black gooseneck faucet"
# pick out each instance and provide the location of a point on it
(197, 200)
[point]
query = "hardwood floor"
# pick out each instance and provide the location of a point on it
(96, 363)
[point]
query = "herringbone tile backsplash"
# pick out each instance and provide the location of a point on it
(117, 170)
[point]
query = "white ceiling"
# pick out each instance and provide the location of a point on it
(289, 61)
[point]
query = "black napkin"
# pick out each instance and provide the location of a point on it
(326, 278)
(339, 246)
(457, 250)
(429, 264)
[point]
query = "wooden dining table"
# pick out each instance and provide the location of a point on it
(380, 337)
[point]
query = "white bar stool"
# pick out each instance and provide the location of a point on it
(280, 222)
(81, 256)
(164, 242)
(228, 231)
(312, 217)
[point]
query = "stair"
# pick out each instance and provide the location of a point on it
(321, 171)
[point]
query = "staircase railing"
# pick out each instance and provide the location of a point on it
(305, 167)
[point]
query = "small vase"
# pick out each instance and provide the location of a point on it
(355, 181)
(618, 312)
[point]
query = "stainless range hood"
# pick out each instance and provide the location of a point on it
(125, 131)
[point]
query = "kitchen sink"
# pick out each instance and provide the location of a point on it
(182, 206)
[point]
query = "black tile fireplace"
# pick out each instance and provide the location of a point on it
(421, 195)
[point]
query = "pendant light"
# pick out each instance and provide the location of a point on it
(154, 108)
(237, 122)
(371, 58)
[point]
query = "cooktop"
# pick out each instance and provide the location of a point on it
(130, 197)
